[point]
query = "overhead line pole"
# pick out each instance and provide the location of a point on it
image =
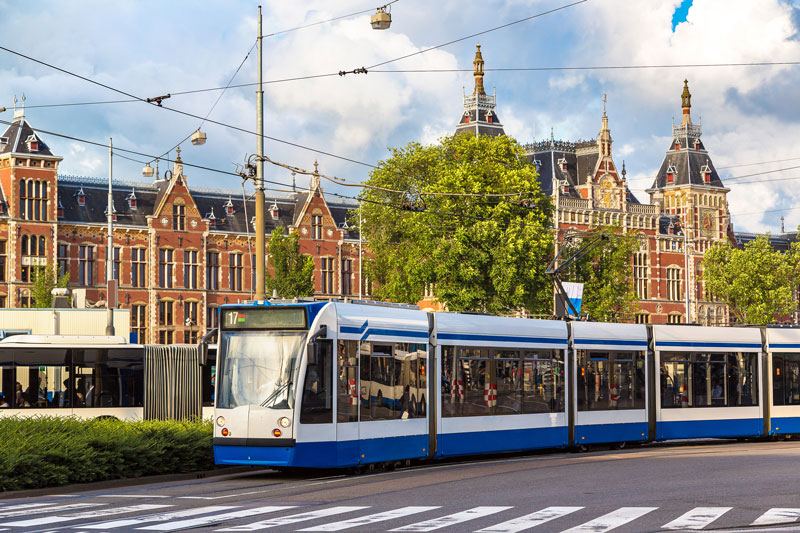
(261, 245)
(110, 246)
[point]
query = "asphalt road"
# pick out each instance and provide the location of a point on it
(749, 486)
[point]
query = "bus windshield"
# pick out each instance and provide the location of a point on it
(259, 368)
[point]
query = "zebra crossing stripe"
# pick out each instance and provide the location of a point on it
(216, 519)
(68, 507)
(609, 521)
(52, 519)
(371, 519)
(530, 520)
(777, 515)
(163, 517)
(449, 520)
(25, 506)
(697, 518)
(292, 519)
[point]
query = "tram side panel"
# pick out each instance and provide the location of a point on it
(783, 380)
(610, 383)
(502, 384)
(708, 382)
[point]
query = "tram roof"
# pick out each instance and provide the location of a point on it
(67, 341)
(711, 339)
(502, 332)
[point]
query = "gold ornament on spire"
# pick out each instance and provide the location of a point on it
(478, 62)
(686, 103)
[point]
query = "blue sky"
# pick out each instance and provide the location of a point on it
(149, 48)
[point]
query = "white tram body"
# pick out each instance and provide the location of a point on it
(331, 385)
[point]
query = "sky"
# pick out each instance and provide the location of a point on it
(750, 115)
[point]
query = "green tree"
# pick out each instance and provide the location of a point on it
(484, 248)
(293, 273)
(756, 281)
(44, 281)
(607, 274)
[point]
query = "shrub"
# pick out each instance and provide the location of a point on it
(47, 451)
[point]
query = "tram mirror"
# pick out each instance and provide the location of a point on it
(313, 353)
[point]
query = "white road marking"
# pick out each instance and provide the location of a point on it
(162, 517)
(216, 519)
(292, 519)
(777, 515)
(449, 520)
(48, 509)
(86, 514)
(131, 496)
(530, 520)
(220, 497)
(697, 518)
(25, 506)
(614, 519)
(372, 518)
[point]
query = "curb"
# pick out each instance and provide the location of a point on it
(127, 482)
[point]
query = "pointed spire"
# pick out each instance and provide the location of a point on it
(177, 169)
(478, 62)
(315, 181)
(604, 136)
(686, 103)
(19, 114)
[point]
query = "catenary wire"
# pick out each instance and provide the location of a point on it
(370, 10)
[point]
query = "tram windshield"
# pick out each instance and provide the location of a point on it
(259, 368)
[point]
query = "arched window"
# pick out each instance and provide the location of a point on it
(33, 199)
(24, 245)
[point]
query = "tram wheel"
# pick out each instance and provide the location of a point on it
(619, 445)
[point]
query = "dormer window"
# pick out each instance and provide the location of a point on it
(81, 196)
(33, 143)
(466, 118)
(60, 209)
(273, 211)
(697, 144)
(131, 198)
(671, 174)
(538, 164)
(562, 164)
(2, 207)
(212, 220)
(113, 212)
(706, 173)
(229, 207)
(3, 142)
(489, 117)
(677, 145)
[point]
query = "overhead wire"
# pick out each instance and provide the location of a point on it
(330, 20)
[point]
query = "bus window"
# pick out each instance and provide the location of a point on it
(41, 378)
(107, 378)
(317, 401)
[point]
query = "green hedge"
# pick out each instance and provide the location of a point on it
(48, 451)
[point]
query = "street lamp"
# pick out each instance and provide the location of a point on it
(381, 20)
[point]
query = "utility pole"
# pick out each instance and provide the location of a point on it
(360, 252)
(110, 247)
(261, 245)
(687, 272)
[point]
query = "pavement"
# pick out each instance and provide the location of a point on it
(749, 486)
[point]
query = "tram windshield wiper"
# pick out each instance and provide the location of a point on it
(276, 392)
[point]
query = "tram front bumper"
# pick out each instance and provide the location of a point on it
(267, 452)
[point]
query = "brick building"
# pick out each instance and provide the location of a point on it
(179, 251)
(687, 213)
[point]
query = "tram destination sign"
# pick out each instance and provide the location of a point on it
(264, 318)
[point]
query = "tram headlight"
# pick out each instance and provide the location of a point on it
(220, 421)
(284, 422)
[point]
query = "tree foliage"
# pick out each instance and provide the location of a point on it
(293, 273)
(477, 253)
(44, 281)
(606, 272)
(755, 281)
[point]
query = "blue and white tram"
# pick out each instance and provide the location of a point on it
(709, 382)
(329, 384)
(610, 383)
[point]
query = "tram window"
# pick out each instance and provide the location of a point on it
(409, 385)
(542, 382)
(610, 380)
(347, 377)
(786, 379)
(450, 392)
(708, 379)
(507, 389)
(317, 406)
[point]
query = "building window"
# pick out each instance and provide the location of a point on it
(327, 275)
(190, 321)
(253, 272)
(3, 300)
(640, 274)
(85, 265)
(347, 275)
(165, 313)
(642, 318)
(236, 269)
(3, 261)
(165, 268)
(212, 271)
(166, 336)
(63, 259)
(212, 317)
(139, 322)
(33, 199)
(190, 267)
(674, 319)
(179, 217)
(117, 263)
(674, 284)
(138, 267)
(316, 227)
(25, 299)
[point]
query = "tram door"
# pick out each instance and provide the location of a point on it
(347, 404)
